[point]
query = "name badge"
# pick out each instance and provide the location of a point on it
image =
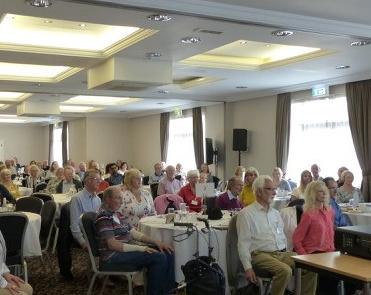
(194, 202)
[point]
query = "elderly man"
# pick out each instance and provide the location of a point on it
(229, 200)
(84, 201)
(169, 184)
(315, 172)
(69, 183)
(156, 177)
(82, 170)
(262, 242)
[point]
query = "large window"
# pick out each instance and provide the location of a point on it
(57, 144)
(320, 134)
(180, 149)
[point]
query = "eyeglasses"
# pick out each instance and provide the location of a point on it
(95, 179)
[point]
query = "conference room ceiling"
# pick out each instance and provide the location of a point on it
(237, 56)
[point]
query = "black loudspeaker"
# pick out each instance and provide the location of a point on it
(240, 140)
(209, 151)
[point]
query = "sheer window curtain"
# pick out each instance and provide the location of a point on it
(283, 117)
(51, 140)
(164, 135)
(65, 142)
(359, 112)
(198, 136)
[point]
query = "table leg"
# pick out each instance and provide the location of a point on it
(297, 281)
(366, 288)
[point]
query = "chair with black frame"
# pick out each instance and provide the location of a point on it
(87, 224)
(29, 204)
(43, 196)
(145, 180)
(236, 274)
(47, 222)
(40, 187)
(154, 188)
(13, 227)
(216, 181)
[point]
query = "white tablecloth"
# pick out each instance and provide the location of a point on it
(31, 245)
(360, 215)
(155, 227)
(25, 191)
(60, 199)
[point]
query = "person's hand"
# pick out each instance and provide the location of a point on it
(250, 276)
(13, 289)
(164, 247)
(150, 250)
(12, 279)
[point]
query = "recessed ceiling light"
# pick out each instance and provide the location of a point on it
(282, 33)
(76, 109)
(40, 3)
(13, 96)
(360, 43)
(99, 100)
(243, 42)
(47, 21)
(241, 87)
(342, 67)
(82, 25)
(163, 91)
(190, 40)
(268, 45)
(153, 54)
(159, 17)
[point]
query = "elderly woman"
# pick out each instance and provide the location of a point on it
(204, 168)
(247, 196)
(6, 180)
(10, 284)
(117, 245)
(347, 191)
(229, 200)
(305, 179)
(169, 184)
(52, 170)
(137, 202)
(240, 171)
(34, 178)
(278, 181)
(51, 188)
(188, 192)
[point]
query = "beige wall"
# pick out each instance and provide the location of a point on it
(144, 137)
(26, 142)
(77, 140)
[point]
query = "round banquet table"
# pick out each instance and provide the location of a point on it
(31, 245)
(60, 200)
(25, 191)
(156, 228)
(360, 215)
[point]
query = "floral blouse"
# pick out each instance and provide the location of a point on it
(134, 210)
(343, 196)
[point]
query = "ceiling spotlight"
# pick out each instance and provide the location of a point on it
(282, 33)
(82, 25)
(153, 54)
(40, 3)
(47, 21)
(190, 40)
(360, 43)
(342, 67)
(163, 91)
(159, 17)
(243, 42)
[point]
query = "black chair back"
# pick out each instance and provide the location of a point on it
(47, 219)
(154, 187)
(216, 181)
(179, 177)
(145, 180)
(13, 226)
(88, 223)
(40, 187)
(44, 197)
(29, 204)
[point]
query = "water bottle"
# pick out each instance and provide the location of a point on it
(355, 199)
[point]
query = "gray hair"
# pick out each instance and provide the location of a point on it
(259, 183)
(192, 173)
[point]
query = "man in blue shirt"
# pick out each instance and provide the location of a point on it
(115, 178)
(84, 201)
(340, 218)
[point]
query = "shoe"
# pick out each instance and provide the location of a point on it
(67, 276)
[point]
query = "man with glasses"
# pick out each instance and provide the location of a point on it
(262, 242)
(84, 201)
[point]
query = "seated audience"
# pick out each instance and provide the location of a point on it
(315, 169)
(123, 168)
(157, 175)
(229, 200)
(68, 184)
(115, 178)
(188, 192)
(315, 232)
(340, 171)
(44, 165)
(169, 184)
(240, 171)
(51, 187)
(10, 167)
(103, 184)
(347, 191)
(82, 170)
(305, 178)
(204, 168)
(34, 178)
(247, 196)
(292, 184)
(340, 218)
(4, 193)
(180, 173)
(117, 245)
(203, 177)
(85, 200)
(10, 284)
(92, 164)
(52, 170)
(262, 242)
(137, 202)
(278, 181)
(6, 180)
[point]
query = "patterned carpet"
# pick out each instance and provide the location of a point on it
(47, 282)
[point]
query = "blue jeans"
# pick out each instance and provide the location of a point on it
(160, 268)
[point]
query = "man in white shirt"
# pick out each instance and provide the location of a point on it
(262, 242)
(169, 184)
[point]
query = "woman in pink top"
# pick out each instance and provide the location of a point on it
(315, 232)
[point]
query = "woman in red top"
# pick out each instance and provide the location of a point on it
(315, 232)
(188, 192)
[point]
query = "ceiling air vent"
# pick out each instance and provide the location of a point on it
(206, 31)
